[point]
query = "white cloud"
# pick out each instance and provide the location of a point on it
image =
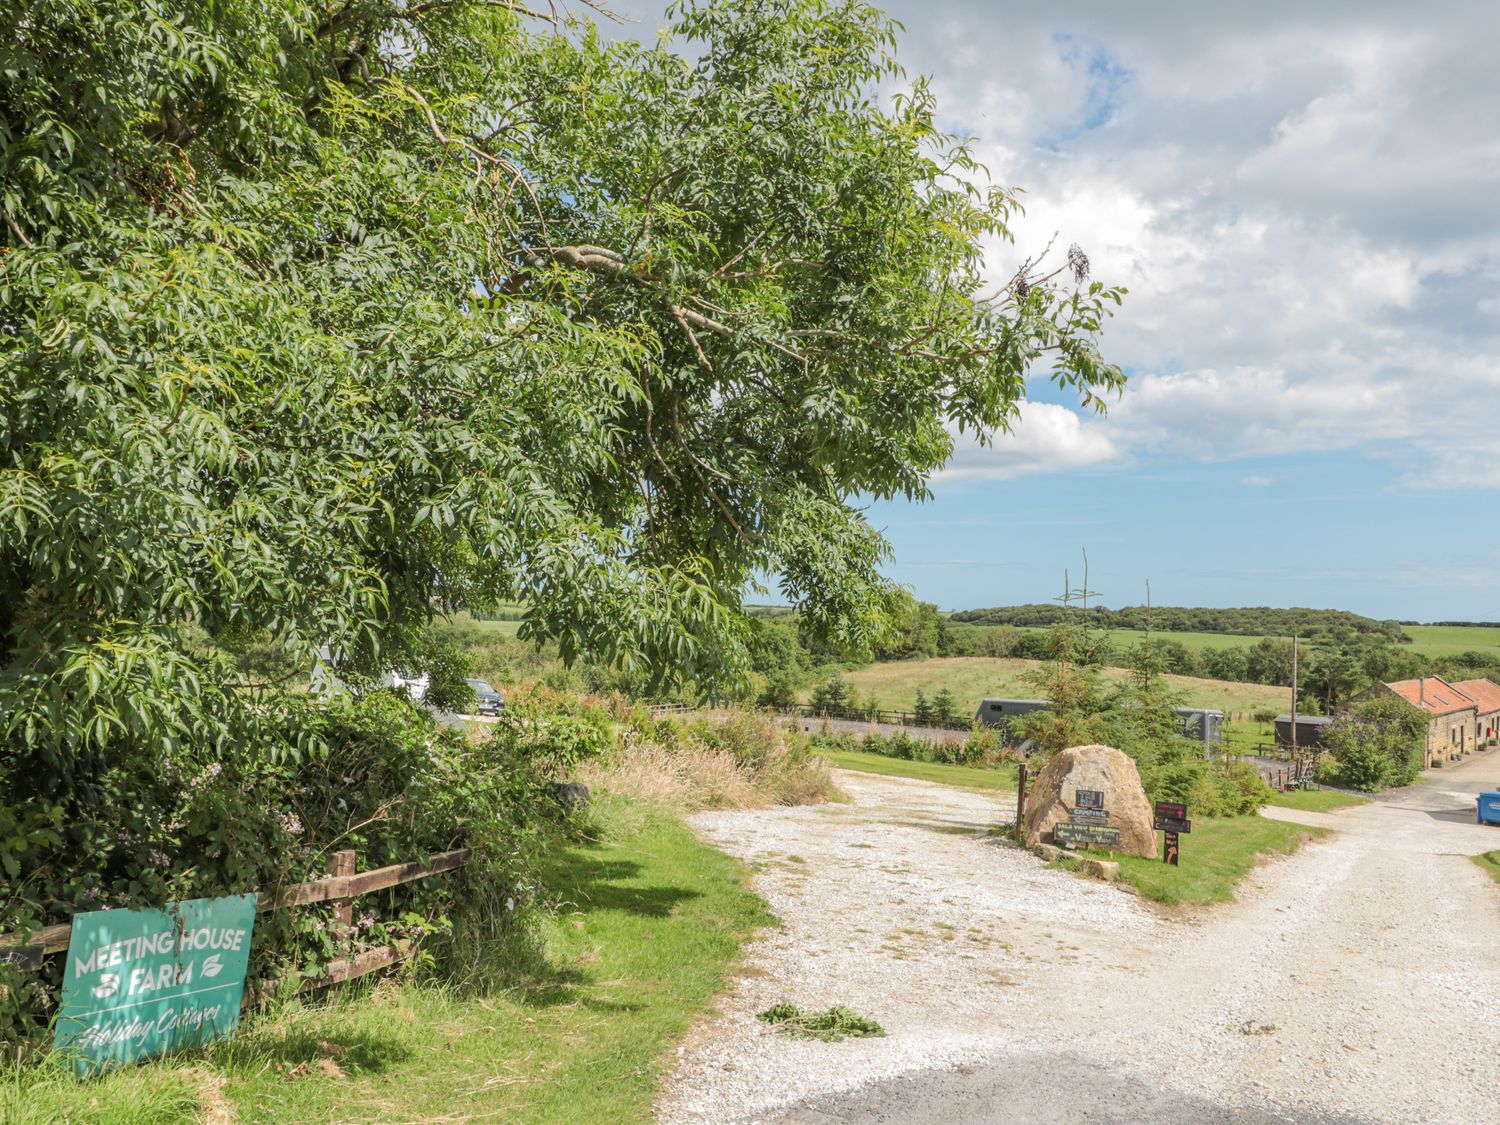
(1258, 480)
(1045, 438)
(1299, 198)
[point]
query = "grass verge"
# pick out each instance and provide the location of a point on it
(966, 777)
(1214, 857)
(1490, 862)
(651, 923)
(1315, 800)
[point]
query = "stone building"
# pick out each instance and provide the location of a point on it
(1452, 715)
(1487, 696)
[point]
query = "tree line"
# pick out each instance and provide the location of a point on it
(1333, 664)
(1247, 621)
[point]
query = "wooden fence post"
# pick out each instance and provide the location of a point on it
(1020, 798)
(342, 863)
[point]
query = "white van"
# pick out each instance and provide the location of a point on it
(413, 685)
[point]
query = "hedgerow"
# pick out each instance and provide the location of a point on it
(375, 774)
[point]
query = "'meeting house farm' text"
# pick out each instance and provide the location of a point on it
(153, 977)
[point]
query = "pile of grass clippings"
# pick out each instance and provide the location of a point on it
(837, 1023)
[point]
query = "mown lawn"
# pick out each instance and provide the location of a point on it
(1490, 862)
(650, 925)
(1216, 855)
(1315, 800)
(967, 777)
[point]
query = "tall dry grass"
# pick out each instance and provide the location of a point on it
(741, 760)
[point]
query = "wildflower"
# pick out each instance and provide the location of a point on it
(289, 823)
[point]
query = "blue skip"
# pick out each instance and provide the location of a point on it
(1489, 808)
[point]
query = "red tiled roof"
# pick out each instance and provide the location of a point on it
(1436, 696)
(1483, 692)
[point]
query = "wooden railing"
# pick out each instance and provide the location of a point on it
(341, 886)
(957, 724)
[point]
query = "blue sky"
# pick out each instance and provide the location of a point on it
(1302, 200)
(1322, 530)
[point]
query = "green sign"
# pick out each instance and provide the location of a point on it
(142, 982)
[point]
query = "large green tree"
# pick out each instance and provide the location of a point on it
(315, 317)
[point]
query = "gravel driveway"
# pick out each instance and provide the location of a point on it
(1356, 981)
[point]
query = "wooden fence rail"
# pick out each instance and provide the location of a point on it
(340, 886)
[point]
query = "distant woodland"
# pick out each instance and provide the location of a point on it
(1249, 621)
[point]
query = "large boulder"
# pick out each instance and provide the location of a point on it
(1053, 795)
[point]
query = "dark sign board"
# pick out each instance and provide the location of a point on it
(22, 956)
(1089, 835)
(1089, 799)
(1089, 816)
(1170, 809)
(1172, 824)
(1169, 849)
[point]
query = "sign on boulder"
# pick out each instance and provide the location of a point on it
(1079, 784)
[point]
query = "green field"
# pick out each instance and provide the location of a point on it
(1123, 640)
(1430, 640)
(1450, 640)
(972, 678)
(964, 777)
(504, 628)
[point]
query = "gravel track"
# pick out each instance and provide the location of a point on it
(1351, 982)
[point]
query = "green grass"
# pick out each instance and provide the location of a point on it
(503, 628)
(1315, 800)
(1490, 862)
(972, 678)
(1215, 856)
(1449, 640)
(1123, 640)
(1431, 640)
(966, 777)
(650, 926)
(47, 1094)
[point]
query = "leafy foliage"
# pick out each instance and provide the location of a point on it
(1257, 621)
(316, 320)
(1374, 744)
(376, 775)
(981, 747)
